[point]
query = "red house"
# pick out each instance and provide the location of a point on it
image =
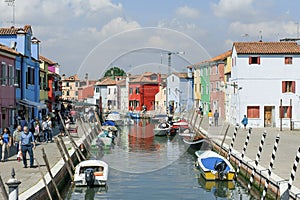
(142, 91)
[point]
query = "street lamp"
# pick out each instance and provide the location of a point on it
(169, 69)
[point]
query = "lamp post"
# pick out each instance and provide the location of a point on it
(169, 72)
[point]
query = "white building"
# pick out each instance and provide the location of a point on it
(264, 76)
(122, 97)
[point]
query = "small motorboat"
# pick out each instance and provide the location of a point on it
(115, 117)
(214, 166)
(195, 141)
(162, 129)
(91, 173)
(134, 115)
(159, 117)
(181, 125)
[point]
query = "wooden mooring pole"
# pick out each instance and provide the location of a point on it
(44, 180)
(63, 156)
(50, 173)
(63, 145)
(3, 190)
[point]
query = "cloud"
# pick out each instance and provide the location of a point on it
(235, 9)
(118, 25)
(187, 12)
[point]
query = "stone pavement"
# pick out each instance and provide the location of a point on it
(29, 177)
(286, 152)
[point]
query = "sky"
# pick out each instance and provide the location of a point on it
(90, 36)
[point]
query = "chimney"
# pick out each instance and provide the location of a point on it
(190, 71)
(35, 48)
(86, 79)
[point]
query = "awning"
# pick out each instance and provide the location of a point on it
(28, 103)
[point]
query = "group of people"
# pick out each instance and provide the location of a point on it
(216, 116)
(22, 139)
(25, 137)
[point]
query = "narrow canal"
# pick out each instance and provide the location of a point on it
(143, 166)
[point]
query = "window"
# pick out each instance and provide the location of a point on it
(76, 84)
(97, 90)
(115, 90)
(76, 93)
(11, 75)
(207, 89)
(288, 86)
(18, 78)
(202, 90)
(137, 90)
(195, 86)
(285, 111)
(68, 93)
(254, 60)
(30, 76)
(212, 87)
(217, 86)
(172, 78)
(253, 111)
(288, 60)
(130, 90)
(217, 69)
(108, 90)
(67, 84)
(3, 75)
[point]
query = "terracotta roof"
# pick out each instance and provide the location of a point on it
(42, 58)
(181, 74)
(266, 47)
(145, 78)
(13, 30)
(106, 81)
(8, 50)
(72, 78)
(121, 82)
(217, 58)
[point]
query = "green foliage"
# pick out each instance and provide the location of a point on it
(114, 71)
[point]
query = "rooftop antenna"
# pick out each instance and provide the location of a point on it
(13, 5)
(260, 36)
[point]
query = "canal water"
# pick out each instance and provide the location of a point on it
(143, 166)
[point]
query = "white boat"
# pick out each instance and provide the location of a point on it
(214, 166)
(162, 129)
(115, 117)
(91, 173)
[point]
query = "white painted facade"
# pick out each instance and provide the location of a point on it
(112, 97)
(261, 85)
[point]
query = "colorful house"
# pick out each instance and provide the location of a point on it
(142, 91)
(101, 92)
(265, 76)
(70, 87)
(27, 69)
(204, 69)
(122, 94)
(180, 91)
(7, 86)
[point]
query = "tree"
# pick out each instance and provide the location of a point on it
(114, 71)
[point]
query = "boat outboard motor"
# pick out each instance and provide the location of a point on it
(89, 176)
(220, 167)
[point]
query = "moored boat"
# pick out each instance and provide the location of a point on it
(91, 173)
(214, 166)
(162, 129)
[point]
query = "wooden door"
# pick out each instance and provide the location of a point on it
(268, 116)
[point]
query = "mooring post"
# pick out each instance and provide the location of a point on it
(270, 168)
(294, 169)
(195, 122)
(193, 111)
(225, 135)
(201, 120)
(232, 142)
(244, 151)
(50, 173)
(13, 186)
(260, 148)
(3, 191)
(63, 145)
(63, 156)
(44, 180)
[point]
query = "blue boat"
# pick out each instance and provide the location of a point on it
(134, 115)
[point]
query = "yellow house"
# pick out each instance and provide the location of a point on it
(44, 88)
(228, 89)
(70, 87)
(197, 87)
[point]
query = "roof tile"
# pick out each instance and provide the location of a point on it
(266, 47)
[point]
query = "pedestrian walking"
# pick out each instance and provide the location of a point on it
(45, 128)
(37, 130)
(245, 121)
(216, 117)
(210, 117)
(50, 131)
(16, 137)
(6, 143)
(27, 144)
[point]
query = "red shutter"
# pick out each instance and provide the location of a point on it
(293, 87)
(250, 60)
(289, 112)
(286, 60)
(258, 60)
(283, 86)
(281, 112)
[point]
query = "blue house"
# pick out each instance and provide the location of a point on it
(180, 91)
(27, 70)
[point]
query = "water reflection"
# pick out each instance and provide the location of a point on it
(87, 193)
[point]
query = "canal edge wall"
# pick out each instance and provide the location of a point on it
(59, 172)
(247, 164)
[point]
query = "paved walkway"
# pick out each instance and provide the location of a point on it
(286, 152)
(31, 176)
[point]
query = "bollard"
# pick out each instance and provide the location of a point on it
(244, 151)
(260, 148)
(294, 169)
(232, 142)
(13, 186)
(3, 190)
(270, 168)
